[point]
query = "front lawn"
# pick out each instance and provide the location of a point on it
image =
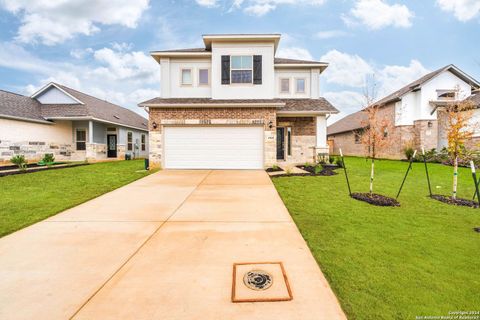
(29, 198)
(422, 258)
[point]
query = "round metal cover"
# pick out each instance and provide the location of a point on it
(258, 280)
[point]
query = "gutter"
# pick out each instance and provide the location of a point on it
(210, 105)
(25, 119)
(100, 120)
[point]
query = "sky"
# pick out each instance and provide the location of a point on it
(102, 47)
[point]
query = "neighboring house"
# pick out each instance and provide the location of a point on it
(412, 111)
(69, 124)
(233, 105)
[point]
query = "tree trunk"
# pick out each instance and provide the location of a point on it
(455, 177)
(372, 173)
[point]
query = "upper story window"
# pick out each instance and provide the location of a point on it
(203, 77)
(186, 75)
(446, 94)
(241, 69)
(284, 85)
(300, 85)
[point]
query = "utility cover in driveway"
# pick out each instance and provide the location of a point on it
(213, 147)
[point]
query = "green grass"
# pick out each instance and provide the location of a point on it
(422, 258)
(29, 198)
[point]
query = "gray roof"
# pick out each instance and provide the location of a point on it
(415, 85)
(475, 98)
(15, 105)
(320, 104)
(18, 106)
(348, 123)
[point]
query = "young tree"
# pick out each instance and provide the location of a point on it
(458, 130)
(376, 135)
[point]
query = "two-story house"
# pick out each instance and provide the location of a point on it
(413, 111)
(234, 105)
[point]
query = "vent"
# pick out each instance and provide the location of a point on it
(116, 117)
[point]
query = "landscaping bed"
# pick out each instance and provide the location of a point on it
(325, 171)
(35, 168)
(274, 169)
(455, 202)
(376, 199)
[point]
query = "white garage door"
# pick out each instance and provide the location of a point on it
(213, 147)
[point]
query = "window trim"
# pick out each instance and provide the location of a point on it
(181, 77)
(77, 141)
(357, 136)
(208, 77)
(241, 69)
(281, 91)
(304, 85)
(289, 141)
(143, 142)
(130, 144)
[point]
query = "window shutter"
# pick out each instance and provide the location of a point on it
(257, 69)
(225, 69)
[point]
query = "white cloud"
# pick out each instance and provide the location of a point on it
(122, 77)
(392, 77)
(345, 69)
(262, 7)
(328, 34)
(80, 53)
(207, 3)
(463, 10)
(294, 53)
(345, 101)
(52, 22)
(378, 14)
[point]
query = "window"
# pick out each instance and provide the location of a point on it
(203, 78)
(186, 77)
(289, 141)
(385, 132)
(241, 69)
(446, 94)
(284, 85)
(143, 142)
(81, 139)
(300, 85)
(358, 137)
(129, 141)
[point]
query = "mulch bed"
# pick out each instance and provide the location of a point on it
(376, 199)
(455, 202)
(476, 229)
(324, 172)
(274, 169)
(9, 173)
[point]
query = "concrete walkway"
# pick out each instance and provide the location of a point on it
(162, 248)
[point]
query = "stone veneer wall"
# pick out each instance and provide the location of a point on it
(34, 150)
(211, 116)
(303, 138)
(346, 141)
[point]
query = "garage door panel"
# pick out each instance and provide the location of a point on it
(213, 147)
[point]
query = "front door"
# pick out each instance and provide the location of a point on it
(112, 145)
(280, 143)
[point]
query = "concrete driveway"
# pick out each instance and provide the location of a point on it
(162, 248)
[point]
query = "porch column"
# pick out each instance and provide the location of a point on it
(321, 132)
(90, 131)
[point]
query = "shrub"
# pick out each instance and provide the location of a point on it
(20, 161)
(331, 159)
(307, 164)
(338, 162)
(274, 167)
(317, 169)
(48, 158)
(408, 151)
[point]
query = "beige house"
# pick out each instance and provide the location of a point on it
(69, 124)
(414, 112)
(233, 105)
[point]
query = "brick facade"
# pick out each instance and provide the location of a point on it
(422, 133)
(227, 116)
(303, 139)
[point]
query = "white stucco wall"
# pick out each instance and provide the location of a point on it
(242, 91)
(406, 110)
(55, 96)
(292, 75)
(177, 90)
(444, 81)
(13, 130)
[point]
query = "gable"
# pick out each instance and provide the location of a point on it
(55, 96)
